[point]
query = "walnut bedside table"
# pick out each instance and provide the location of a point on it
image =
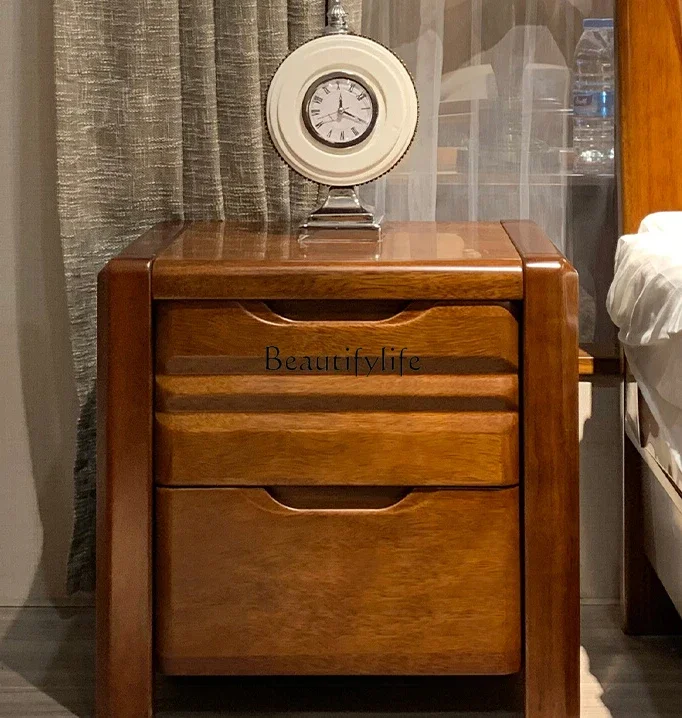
(324, 461)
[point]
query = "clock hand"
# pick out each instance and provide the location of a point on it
(358, 119)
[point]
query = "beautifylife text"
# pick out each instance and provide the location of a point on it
(389, 361)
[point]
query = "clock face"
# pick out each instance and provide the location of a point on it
(339, 110)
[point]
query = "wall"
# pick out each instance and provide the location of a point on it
(600, 489)
(37, 394)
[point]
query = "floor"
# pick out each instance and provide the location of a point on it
(46, 669)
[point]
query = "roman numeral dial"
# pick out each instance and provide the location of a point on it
(339, 110)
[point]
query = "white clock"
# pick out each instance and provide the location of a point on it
(342, 109)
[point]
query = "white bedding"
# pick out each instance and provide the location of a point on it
(645, 302)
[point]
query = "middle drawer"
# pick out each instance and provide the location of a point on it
(349, 448)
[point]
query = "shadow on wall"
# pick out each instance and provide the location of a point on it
(47, 382)
(601, 489)
(46, 369)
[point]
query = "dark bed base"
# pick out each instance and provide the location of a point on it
(652, 566)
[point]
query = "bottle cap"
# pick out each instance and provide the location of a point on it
(598, 23)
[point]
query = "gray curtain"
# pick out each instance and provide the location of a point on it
(160, 116)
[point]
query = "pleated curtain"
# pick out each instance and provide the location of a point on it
(160, 116)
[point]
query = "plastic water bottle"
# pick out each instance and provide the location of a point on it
(593, 99)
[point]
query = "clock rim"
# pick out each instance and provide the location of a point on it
(310, 92)
(269, 107)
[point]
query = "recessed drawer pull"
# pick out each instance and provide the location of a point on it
(313, 311)
(338, 498)
(231, 338)
(352, 318)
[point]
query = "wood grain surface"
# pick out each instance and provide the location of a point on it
(451, 393)
(550, 476)
(650, 106)
(429, 260)
(246, 585)
(304, 525)
(124, 482)
(233, 338)
(351, 448)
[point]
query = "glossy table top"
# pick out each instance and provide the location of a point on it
(401, 242)
(425, 260)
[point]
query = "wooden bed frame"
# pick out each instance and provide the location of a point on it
(650, 85)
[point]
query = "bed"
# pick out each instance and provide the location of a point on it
(645, 302)
(649, 48)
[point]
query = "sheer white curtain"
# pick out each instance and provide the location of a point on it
(494, 81)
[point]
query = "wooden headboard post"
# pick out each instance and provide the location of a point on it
(649, 37)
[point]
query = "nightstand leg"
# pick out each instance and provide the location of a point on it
(550, 479)
(552, 625)
(124, 492)
(551, 500)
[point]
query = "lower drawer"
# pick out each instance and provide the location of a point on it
(246, 584)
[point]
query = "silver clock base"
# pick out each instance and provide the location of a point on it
(341, 217)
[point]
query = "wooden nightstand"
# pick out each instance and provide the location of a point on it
(336, 461)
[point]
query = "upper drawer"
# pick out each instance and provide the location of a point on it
(324, 338)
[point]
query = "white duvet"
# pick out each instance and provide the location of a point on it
(645, 303)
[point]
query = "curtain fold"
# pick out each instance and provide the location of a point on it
(494, 79)
(202, 186)
(160, 116)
